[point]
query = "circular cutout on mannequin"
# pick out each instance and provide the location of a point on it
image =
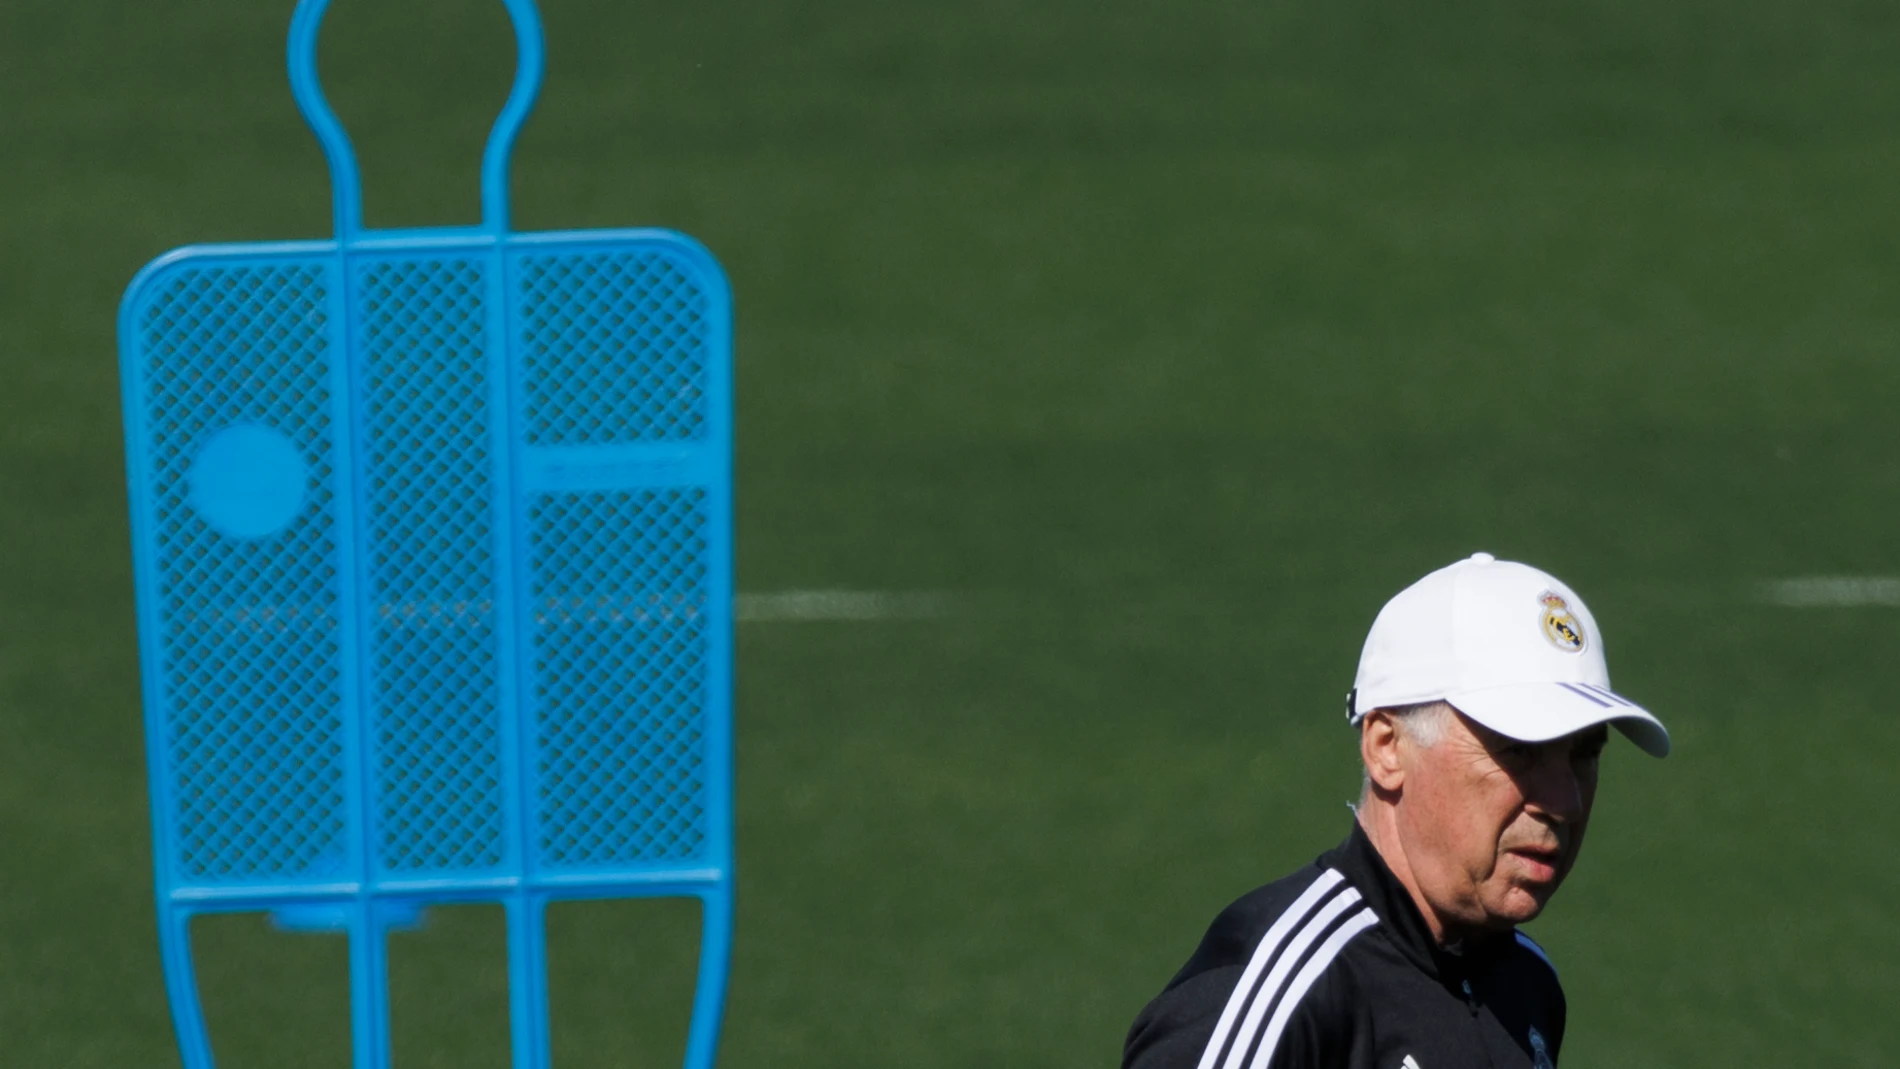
(247, 481)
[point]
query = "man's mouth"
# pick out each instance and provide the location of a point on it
(1540, 863)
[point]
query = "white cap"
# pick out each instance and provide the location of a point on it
(1507, 645)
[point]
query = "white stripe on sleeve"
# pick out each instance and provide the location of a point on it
(1322, 957)
(1249, 1028)
(1269, 942)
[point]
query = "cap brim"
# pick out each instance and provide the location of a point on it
(1538, 712)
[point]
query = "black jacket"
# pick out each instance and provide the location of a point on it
(1334, 968)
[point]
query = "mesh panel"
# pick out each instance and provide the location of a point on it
(249, 628)
(620, 649)
(614, 348)
(427, 478)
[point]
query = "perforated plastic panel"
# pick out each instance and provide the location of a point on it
(615, 346)
(429, 481)
(620, 675)
(248, 632)
(318, 615)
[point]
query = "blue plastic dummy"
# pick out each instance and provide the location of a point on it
(432, 543)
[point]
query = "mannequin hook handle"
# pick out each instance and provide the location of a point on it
(346, 181)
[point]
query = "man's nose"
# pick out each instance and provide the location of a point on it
(1555, 791)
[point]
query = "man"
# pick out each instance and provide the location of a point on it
(1482, 702)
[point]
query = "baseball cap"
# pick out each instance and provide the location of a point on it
(1507, 645)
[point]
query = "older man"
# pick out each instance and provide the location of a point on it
(1482, 704)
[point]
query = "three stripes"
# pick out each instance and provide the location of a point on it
(1592, 692)
(1283, 967)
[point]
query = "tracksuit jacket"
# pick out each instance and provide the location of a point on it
(1334, 968)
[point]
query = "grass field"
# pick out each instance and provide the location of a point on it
(1169, 339)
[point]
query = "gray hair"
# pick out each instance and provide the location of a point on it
(1423, 723)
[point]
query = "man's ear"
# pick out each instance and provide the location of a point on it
(1379, 740)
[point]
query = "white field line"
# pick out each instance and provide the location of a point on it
(1833, 591)
(815, 606)
(796, 606)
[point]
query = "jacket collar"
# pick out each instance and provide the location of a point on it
(1360, 862)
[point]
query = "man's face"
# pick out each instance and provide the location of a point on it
(1493, 825)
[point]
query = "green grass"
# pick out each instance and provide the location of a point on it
(1172, 337)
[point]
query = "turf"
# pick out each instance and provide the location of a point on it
(1171, 338)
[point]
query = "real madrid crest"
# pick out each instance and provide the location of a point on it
(1560, 626)
(1540, 1054)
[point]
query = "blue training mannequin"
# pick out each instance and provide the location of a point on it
(433, 552)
